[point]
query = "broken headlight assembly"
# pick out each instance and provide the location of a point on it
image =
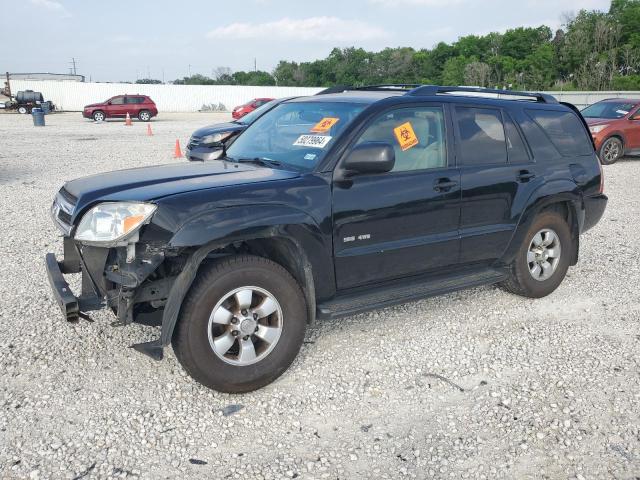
(113, 224)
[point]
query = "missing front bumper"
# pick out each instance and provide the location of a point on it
(70, 305)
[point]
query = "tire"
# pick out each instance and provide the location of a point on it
(144, 115)
(217, 288)
(23, 110)
(523, 278)
(611, 151)
(99, 116)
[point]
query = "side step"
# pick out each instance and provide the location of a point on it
(405, 291)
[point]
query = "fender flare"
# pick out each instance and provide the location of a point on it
(555, 191)
(221, 227)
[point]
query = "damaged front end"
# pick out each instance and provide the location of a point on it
(124, 262)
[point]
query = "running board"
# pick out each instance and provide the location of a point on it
(407, 291)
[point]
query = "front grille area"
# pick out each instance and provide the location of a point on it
(62, 210)
(194, 142)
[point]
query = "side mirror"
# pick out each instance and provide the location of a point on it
(109, 102)
(369, 157)
(635, 116)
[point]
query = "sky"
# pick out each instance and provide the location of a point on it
(116, 40)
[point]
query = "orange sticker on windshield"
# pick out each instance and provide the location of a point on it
(325, 124)
(406, 136)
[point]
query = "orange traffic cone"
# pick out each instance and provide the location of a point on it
(178, 152)
(149, 132)
(127, 121)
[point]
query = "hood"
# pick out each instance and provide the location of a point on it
(219, 128)
(100, 104)
(150, 183)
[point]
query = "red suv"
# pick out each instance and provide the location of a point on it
(137, 106)
(248, 107)
(615, 127)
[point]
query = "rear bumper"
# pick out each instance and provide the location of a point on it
(593, 210)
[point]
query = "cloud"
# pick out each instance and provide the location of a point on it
(318, 29)
(52, 6)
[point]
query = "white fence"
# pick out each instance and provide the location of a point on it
(582, 99)
(73, 96)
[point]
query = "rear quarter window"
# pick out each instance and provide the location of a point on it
(564, 129)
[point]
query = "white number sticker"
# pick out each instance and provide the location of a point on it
(315, 141)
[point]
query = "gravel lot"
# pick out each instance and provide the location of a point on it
(476, 384)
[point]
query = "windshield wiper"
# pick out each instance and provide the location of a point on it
(265, 162)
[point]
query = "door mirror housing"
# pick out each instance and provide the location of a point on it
(635, 116)
(369, 157)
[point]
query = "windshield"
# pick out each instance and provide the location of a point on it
(297, 134)
(608, 110)
(251, 117)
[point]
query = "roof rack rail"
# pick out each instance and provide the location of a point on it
(436, 89)
(385, 87)
(389, 87)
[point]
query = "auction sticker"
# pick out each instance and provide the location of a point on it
(315, 141)
(325, 124)
(406, 136)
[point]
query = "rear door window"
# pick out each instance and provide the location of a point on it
(135, 100)
(481, 136)
(564, 130)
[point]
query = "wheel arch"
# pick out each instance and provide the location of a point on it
(562, 196)
(297, 246)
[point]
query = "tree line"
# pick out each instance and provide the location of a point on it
(593, 50)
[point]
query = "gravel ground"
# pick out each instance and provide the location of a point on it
(476, 384)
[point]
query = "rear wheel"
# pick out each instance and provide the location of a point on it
(98, 116)
(611, 150)
(144, 115)
(543, 259)
(241, 325)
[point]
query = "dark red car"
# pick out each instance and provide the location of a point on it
(137, 106)
(615, 127)
(248, 107)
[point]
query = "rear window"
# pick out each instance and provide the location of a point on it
(565, 131)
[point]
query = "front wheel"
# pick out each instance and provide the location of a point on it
(543, 259)
(611, 151)
(98, 116)
(23, 110)
(144, 116)
(241, 325)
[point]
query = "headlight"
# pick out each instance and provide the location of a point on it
(111, 222)
(597, 128)
(214, 138)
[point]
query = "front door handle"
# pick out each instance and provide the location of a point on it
(444, 184)
(525, 175)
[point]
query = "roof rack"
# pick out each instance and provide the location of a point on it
(435, 89)
(386, 87)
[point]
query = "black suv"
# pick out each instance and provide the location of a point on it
(328, 206)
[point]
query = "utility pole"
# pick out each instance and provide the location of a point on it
(163, 75)
(73, 65)
(189, 69)
(255, 64)
(8, 92)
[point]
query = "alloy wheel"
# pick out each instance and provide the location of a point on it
(245, 326)
(543, 255)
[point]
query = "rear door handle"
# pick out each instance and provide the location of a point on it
(525, 175)
(444, 184)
